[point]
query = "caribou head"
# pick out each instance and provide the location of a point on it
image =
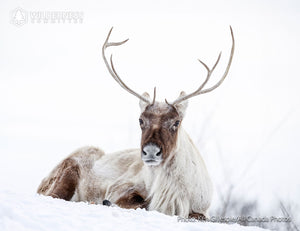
(160, 121)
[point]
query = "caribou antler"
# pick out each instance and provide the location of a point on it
(112, 69)
(199, 91)
(209, 72)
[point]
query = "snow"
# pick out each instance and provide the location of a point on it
(19, 212)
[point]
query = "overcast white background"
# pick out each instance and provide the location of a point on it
(56, 94)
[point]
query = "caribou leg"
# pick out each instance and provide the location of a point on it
(63, 181)
(197, 216)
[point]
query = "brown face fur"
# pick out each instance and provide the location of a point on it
(159, 124)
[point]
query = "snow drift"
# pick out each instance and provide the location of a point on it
(20, 212)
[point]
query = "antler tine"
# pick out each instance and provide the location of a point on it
(209, 72)
(112, 70)
(227, 68)
(154, 96)
(197, 92)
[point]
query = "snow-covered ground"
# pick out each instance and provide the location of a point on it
(19, 212)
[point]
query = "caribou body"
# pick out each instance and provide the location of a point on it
(167, 172)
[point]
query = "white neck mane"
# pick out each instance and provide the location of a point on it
(173, 185)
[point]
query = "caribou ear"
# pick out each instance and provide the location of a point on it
(144, 104)
(181, 107)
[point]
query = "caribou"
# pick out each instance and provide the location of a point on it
(167, 172)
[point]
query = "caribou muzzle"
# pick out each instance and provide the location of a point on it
(151, 154)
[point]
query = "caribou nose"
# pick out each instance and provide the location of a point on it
(151, 154)
(151, 150)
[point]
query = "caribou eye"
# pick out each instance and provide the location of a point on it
(177, 123)
(141, 121)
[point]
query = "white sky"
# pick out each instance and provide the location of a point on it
(56, 94)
